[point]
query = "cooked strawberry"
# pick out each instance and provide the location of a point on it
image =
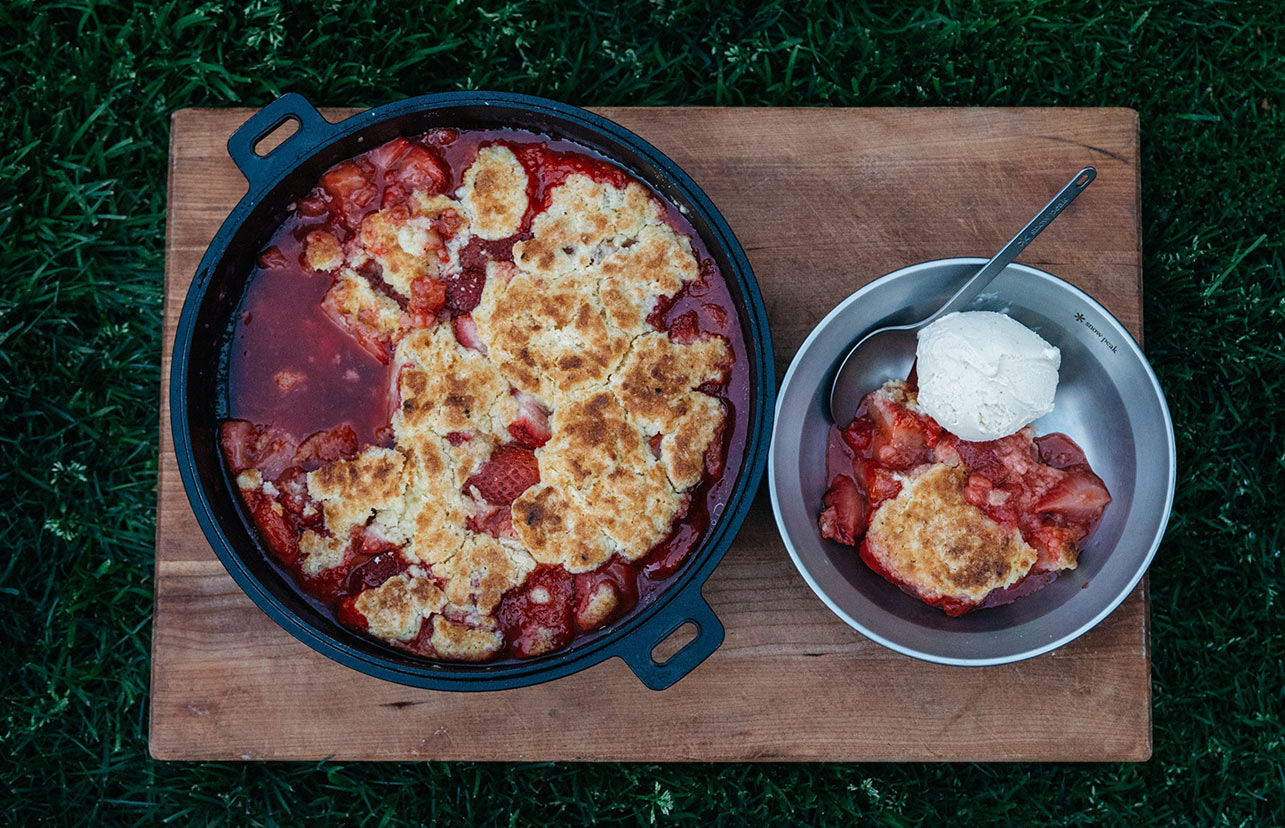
(716, 315)
(346, 614)
(844, 516)
(685, 328)
(901, 438)
(1057, 547)
(427, 297)
(982, 458)
(715, 454)
(326, 446)
(352, 186)
(531, 428)
(658, 312)
(858, 434)
(316, 204)
(387, 154)
(464, 290)
(395, 195)
(466, 333)
(270, 517)
(537, 617)
(249, 446)
(605, 593)
(509, 472)
(347, 180)
(876, 481)
(1080, 497)
(977, 490)
(496, 521)
(1060, 451)
(417, 170)
(273, 259)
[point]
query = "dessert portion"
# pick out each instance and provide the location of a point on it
(962, 523)
(984, 375)
(475, 402)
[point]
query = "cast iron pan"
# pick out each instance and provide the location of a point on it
(198, 382)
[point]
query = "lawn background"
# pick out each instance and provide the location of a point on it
(86, 91)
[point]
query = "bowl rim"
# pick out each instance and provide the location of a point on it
(631, 637)
(1170, 472)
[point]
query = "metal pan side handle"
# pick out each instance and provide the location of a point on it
(688, 608)
(312, 132)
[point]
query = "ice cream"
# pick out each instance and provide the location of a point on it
(983, 375)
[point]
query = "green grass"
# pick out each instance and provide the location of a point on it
(86, 91)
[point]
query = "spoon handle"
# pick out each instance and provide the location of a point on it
(1005, 256)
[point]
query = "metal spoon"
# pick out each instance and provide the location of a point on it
(885, 353)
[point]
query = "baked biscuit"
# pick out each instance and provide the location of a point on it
(657, 384)
(460, 642)
(396, 609)
(602, 490)
(585, 221)
(495, 192)
(656, 262)
(479, 574)
(548, 335)
(930, 538)
(444, 387)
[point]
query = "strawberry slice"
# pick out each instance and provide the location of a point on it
(1057, 547)
(605, 593)
(685, 329)
(275, 529)
(858, 434)
(352, 185)
(510, 472)
(248, 446)
(496, 521)
(427, 297)
(1060, 451)
(537, 617)
(387, 154)
(531, 428)
(466, 333)
(323, 447)
(844, 517)
(418, 170)
(902, 440)
(464, 290)
(1080, 496)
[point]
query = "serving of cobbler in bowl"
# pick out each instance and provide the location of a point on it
(488, 401)
(999, 501)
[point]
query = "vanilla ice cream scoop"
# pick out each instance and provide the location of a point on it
(983, 375)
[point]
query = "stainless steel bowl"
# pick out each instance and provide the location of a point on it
(1107, 400)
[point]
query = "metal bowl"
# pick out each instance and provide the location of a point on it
(1108, 401)
(198, 384)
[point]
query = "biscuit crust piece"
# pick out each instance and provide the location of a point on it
(932, 540)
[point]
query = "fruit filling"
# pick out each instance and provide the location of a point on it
(958, 524)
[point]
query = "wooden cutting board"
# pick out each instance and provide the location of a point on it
(824, 200)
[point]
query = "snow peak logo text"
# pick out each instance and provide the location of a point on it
(1079, 317)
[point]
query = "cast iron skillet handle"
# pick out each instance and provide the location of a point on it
(689, 607)
(313, 130)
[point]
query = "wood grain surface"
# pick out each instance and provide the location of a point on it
(823, 200)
